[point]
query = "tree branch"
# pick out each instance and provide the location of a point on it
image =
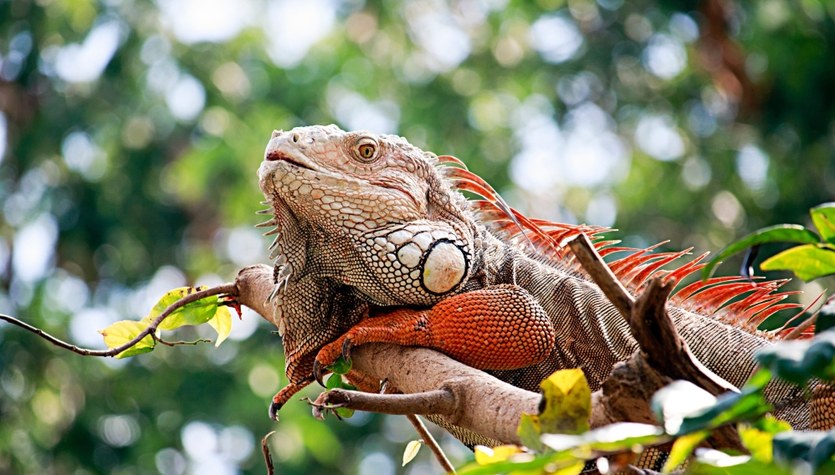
(438, 401)
(482, 403)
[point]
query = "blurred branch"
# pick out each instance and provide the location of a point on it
(265, 450)
(430, 442)
(224, 289)
(723, 58)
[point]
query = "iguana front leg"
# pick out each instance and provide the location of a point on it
(496, 328)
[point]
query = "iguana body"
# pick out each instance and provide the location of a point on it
(371, 225)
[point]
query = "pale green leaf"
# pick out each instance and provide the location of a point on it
(412, 449)
(809, 261)
(824, 218)
(194, 313)
(124, 331)
(489, 455)
(529, 431)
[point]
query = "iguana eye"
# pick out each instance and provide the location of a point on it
(366, 150)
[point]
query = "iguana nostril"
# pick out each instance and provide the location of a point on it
(295, 137)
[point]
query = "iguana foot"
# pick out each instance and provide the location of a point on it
(284, 395)
(497, 328)
(329, 354)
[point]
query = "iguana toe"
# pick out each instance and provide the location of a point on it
(273, 412)
(318, 373)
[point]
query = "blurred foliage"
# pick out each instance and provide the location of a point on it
(130, 132)
(687, 415)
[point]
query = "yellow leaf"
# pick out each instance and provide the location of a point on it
(574, 469)
(222, 323)
(682, 448)
(486, 455)
(124, 331)
(411, 451)
(567, 403)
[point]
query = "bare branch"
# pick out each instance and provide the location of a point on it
(438, 401)
(430, 442)
(602, 275)
(665, 349)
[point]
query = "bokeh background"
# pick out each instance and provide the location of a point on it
(130, 133)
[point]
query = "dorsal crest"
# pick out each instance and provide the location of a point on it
(738, 301)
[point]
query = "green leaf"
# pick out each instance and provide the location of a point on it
(778, 233)
(124, 331)
(334, 382)
(341, 366)
(731, 407)
(222, 323)
(808, 262)
(344, 412)
(567, 402)
(610, 438)
(798, 361)
(682, 448)
(714, 462)
(412, 449)
(517, 463)
(817, 448)
(194, 313)
(823, 216)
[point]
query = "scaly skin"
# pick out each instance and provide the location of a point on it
(371, 226)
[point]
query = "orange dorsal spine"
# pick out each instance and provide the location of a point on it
(744, 303)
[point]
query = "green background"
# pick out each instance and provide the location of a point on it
(130, 133)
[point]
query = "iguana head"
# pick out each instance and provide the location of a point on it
(371, 213)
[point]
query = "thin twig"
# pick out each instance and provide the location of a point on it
(228, 289)
(424, 433)
(182, 342)
(265, 449)
(430, 442)
(602, 275)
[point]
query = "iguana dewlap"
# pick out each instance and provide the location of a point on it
(369, 225)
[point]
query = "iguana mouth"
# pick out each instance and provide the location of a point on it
(278, 155)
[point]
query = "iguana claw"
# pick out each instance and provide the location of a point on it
(274, 408)
(318, 374)
(284, 395)
(346, 349)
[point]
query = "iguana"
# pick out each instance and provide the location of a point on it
(375, 242)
